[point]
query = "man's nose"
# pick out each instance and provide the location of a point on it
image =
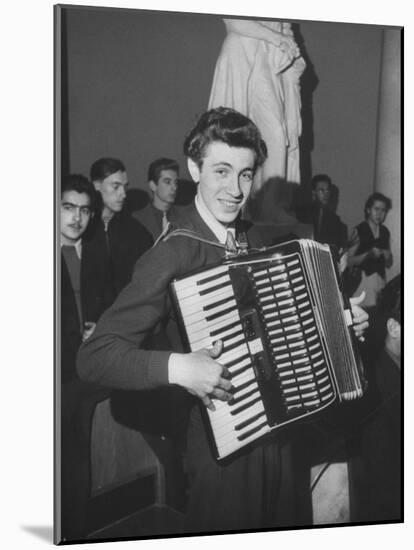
(77, 214)
(122, 192)
(233, 185)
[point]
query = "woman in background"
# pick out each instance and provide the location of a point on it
(370, 248)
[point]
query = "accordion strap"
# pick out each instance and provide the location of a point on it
(166, 234)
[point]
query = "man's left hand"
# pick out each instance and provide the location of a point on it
(360, 317)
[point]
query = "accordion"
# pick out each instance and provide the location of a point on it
(286, 338)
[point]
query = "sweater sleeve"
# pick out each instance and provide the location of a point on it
(114, 356)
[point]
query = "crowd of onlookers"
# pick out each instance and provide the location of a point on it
(100, 243)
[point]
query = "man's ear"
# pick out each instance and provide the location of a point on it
(194, 170)
(152, 185)
(393, 328)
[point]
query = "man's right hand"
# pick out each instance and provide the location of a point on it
(200, 374)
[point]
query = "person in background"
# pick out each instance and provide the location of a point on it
(82, 302)
(370, 248)
(163, 184)
(115, 235)
(381, 427)
(250, 489)
(327, 225)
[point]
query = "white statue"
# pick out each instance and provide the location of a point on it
(257, 73)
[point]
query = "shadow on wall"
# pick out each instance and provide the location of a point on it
(308, 83)
(273, 203)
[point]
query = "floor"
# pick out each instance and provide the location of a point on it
(149, 522)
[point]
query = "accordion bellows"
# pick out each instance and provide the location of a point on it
(285, 331)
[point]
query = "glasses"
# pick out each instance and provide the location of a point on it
(72, 208)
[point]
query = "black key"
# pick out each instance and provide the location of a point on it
(218, 303)
(249, 421)
(246, 406)
(239, 371)
(221, 313)
(207, 280)
(236, 389)
(237, 400)
(214, 288)
(252, 431)
(223, 329)
(234, 362)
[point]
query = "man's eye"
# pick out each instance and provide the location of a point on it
(221, 172)
(85, 211)
(67, 207)
(247, 176)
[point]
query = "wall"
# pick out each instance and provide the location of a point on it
(346, 62)
(138, 79)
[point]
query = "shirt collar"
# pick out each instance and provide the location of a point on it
(216, 227)
(77, 246)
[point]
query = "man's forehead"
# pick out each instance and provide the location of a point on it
(322, 185)
(73, 197)
(219, 152)
(168, 173)
(117, 177)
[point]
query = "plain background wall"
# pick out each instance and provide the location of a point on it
(138, 79)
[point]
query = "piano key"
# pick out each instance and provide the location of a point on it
(214, 274)
(240, 369)
(247, 405)
(200, 314)
(183, 288)
(246, 393)
(225, 427)
(213, 289)
(233, 353)
(238, 361)
(222, 329)
(219, 314)
(240, 387)
(233, 342)
(247, 399)
(218, 302)
(223, 421)
(195, 300)
(243, 377)
(231, 445)
(203, 325)
(246, 423)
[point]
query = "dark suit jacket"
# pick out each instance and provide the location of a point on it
(151, 218)
(332, 230)
(93, 291)
(117, 250)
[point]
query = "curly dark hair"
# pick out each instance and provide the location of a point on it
(228, 126)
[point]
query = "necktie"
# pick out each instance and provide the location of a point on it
(319, 226)
(231, 246)
(164, 221)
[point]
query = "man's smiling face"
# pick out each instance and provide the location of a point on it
(225, 179)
